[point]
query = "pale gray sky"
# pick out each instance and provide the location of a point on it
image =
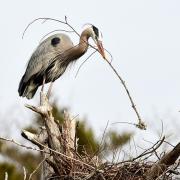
(144, 39)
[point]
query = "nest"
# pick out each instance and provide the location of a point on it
(58, 145)
(91, 169)
(122, 171)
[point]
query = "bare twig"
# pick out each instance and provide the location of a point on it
(6, 176)
(22, 145)
(57, 30)
(147, 151)
(25, 173)
(84, 62)
(36, 169)
(124, 122)
(141, 124)
(37, 19)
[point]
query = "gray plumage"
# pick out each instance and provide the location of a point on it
(46, 60)
(50, 60)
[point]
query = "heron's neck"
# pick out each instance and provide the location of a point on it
(82, 47)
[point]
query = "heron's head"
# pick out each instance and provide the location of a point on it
(96, 35)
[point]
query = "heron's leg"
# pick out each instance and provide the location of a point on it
(44, 80)
(42, 89)
(49, 90)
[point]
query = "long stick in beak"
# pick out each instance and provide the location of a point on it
(101, 49)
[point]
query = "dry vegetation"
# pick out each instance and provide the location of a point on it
(61, 160)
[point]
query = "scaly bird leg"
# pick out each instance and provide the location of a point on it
(49, 90)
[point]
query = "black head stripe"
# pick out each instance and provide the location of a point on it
(55, 41)
(96, 31)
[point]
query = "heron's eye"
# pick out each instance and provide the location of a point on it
(55, 41)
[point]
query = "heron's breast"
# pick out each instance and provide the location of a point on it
(55, 71)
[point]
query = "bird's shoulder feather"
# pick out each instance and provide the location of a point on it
(45, 54)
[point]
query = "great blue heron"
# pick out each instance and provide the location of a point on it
(51, 58)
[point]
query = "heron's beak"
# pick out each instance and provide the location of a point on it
(101, 49)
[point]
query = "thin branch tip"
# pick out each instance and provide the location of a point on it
(140, 125)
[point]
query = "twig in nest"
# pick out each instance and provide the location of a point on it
(100, 148)
(36, 169)
(147, 151)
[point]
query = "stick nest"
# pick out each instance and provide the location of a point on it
(58, 145)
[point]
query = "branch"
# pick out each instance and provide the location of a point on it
(43, 151)
(25, 173)
(147, 151)
(45, 110)
(141, 124)
(6, 176)
(22, 145)
(62, 155)
(35, 170)
(34, 138)
(57, 140)
(166, 161)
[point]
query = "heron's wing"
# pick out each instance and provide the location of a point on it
(36, 62)
(46, 54)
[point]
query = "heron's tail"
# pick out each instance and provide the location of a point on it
(27, 89)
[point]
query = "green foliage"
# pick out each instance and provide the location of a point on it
(13, 173)
(86, 139)
(87, 144)
(58, 113)
(15, 160)
(115, 140)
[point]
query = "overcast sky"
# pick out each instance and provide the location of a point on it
(144, 39)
